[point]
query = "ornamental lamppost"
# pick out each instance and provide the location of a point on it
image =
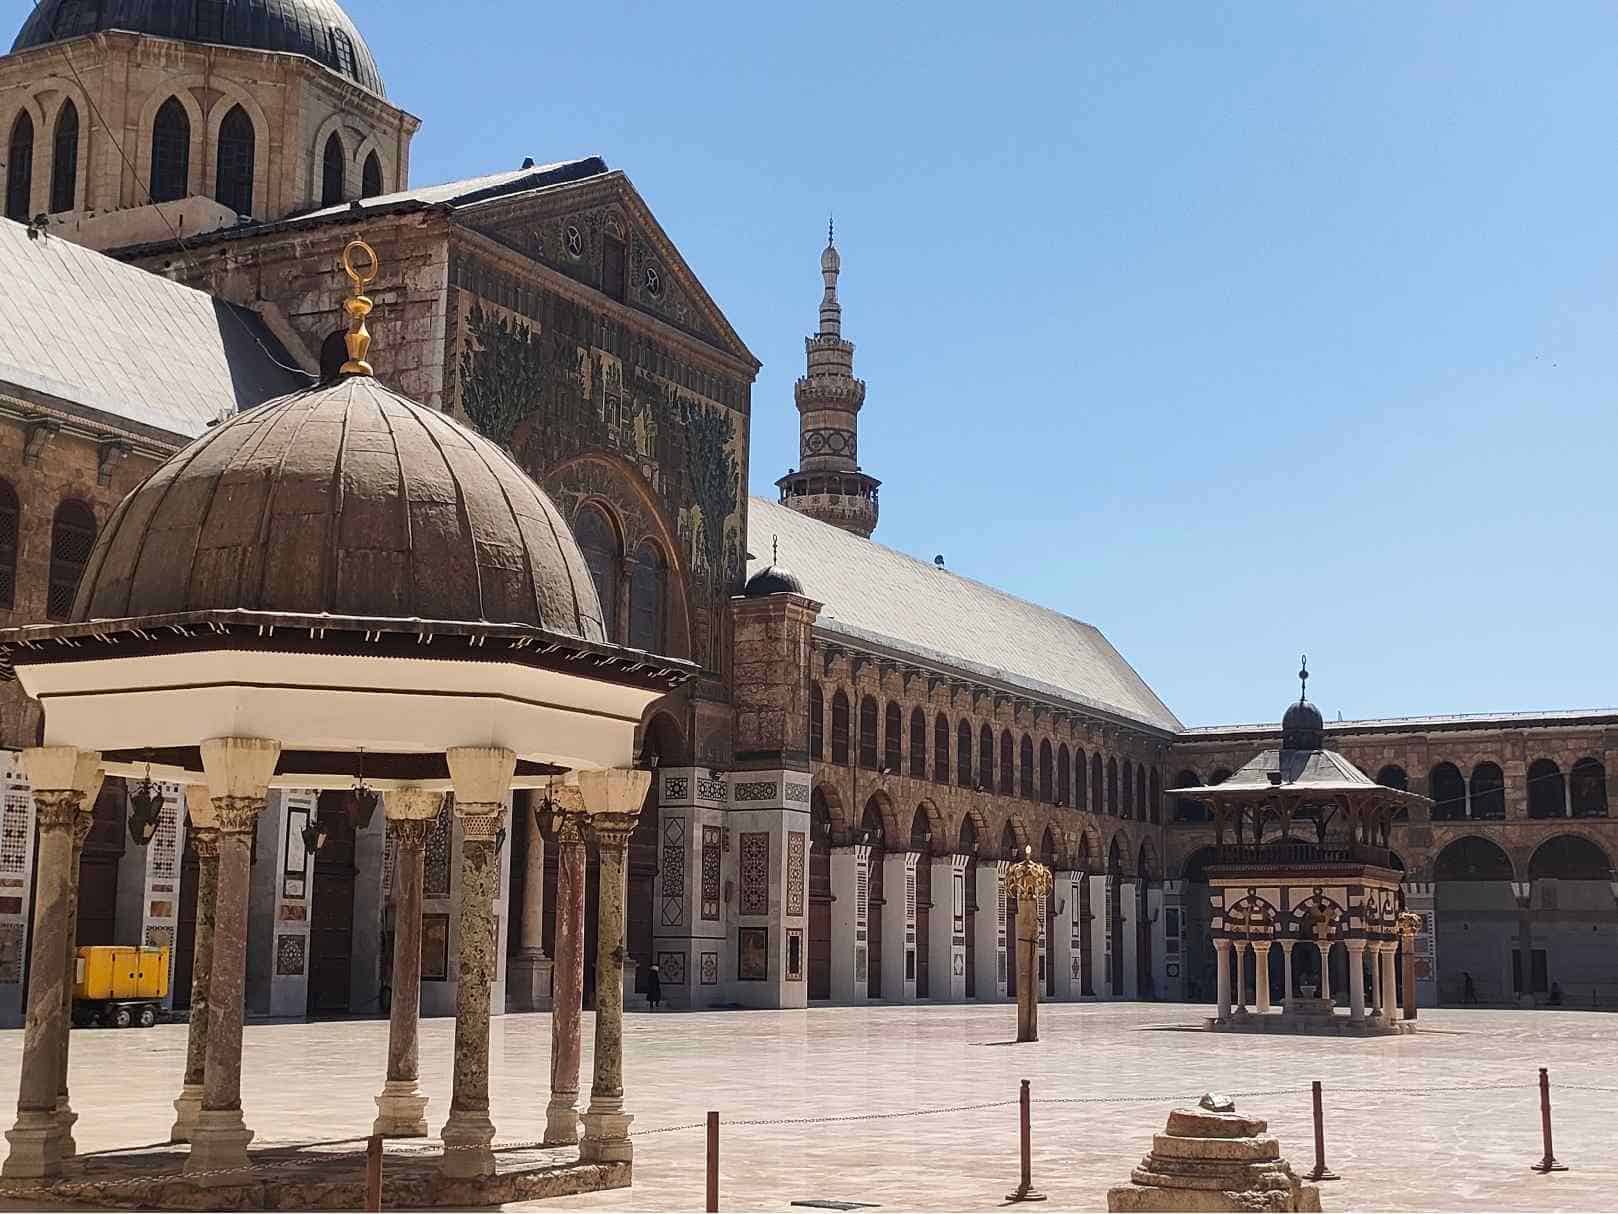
(1029, 882)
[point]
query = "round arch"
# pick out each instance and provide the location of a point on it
(1146, 866)
(972, 832)
(1051, 851)
(929, 822)
(879, 815)
(1570, 857)
(1019, 835)
(825, 798)
(1472, 858)
(663, 739)
(1194, 867)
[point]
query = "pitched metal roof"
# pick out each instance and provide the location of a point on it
(872, 593)
(118, 340)
(1419, 724)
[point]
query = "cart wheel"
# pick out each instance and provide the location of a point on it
(121, 1017)
(148, 1016)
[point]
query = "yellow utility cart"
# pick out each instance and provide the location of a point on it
(120, 985)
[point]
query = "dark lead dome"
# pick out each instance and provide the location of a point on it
(772, 579)
(319, 29)
(349, 500)
(1302, 728)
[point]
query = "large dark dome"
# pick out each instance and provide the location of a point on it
(350, 500)
(319, 29)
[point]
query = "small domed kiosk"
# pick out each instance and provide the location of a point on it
(1302, 859)
(339, 589)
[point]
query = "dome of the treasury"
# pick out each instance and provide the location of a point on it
(772, 579)
(348, 500)
(319, 29)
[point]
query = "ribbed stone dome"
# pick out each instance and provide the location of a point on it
(347, 499)
(319, 29)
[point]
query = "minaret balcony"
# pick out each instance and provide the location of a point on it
(838, 389)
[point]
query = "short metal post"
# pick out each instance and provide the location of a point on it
(373, 1172)
(1320, 1171)
(1025, 1190)
(1548, 1163)
(713, 1163)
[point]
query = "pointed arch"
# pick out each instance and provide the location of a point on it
(927, 832)
(973, 831)
(235, 161)
(65, 159)
(20, 168)
(881, 817)
(333, 171)
(1050, 850)
(171, 152)
(371, 176)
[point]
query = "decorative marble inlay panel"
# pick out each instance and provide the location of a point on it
(15, 811)
(862, 893)
(710, 789)
(752, 954)
(676, 788)
(796, 794)
(289, 951)
(754, 872)
(10, 952)
(797, 847)
(710, 873)
(671, 967)
(710, 969)
(162, 854)
(436, 856)
(756, 790)
(159, 937)
(672, 910)
(794, 954)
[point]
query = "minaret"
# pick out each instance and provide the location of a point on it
(828, 484)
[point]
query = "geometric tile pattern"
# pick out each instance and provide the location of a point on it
(754, 873)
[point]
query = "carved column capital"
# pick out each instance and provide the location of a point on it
(236, 815)
(82, 822)
(57, 808)
(410, 833)
(569, 827)
(612, 830)
(205, 841)
(480, 820)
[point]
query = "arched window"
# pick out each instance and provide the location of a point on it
(1081, 781)
(1047, 790)
(1488, 792)
(1129, 790)
(839, 729)
(868, 733)
(371, 177)
(20, 169)
(892, 723)
(332, 163)
(1448, 791)
(963, 755)
(1547, 796)
(918, 743)
(10, 516)
(1587, 789)
(1569, 858)
(1064, 775)
(171, 152)
(817, 722)
(1112, 785)
(234, 173)
(1008, 764)
(1189, 809)
(941, 750)
(1025, 768)
(1140, 791)
(1393, 776)
(986, 759)
(1157, 795)
(65, 160)
(1096, 785)
(73, 534)
(598, 540)
(648, 581)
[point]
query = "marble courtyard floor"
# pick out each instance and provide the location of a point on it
(1447, 1119)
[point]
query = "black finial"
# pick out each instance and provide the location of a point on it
(830, 230)
(775, 550)
(1303, 679)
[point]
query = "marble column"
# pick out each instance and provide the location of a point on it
(205, 840)
(1286, 972)
(238, 772)
(1390, 986)
(61, 777)
(1241, 976)
(1028, 912)
(81, 831)
(614, 799)
(530, 975)
(1323, 947)
(1356, 978)
(1377, 1006)
(567, 1002)
(1222, 963)
(1261, 976)
(481, 776)
(401, 1108)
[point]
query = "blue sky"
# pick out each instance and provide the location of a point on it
(1237, 330)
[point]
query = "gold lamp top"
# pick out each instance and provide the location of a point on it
(358, 305)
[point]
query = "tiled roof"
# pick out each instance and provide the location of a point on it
(872, 593)
(113, 338)
(1416, 724)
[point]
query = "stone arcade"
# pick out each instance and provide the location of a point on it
(340, 571)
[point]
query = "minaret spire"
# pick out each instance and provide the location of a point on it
(829, 483)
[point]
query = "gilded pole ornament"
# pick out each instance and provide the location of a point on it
(1409, 923)
(358, 305)
(1027, 878)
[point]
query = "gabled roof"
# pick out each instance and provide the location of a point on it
(81, 329)
(874, 594)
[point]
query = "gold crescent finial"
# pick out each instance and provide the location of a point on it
(358, 306)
